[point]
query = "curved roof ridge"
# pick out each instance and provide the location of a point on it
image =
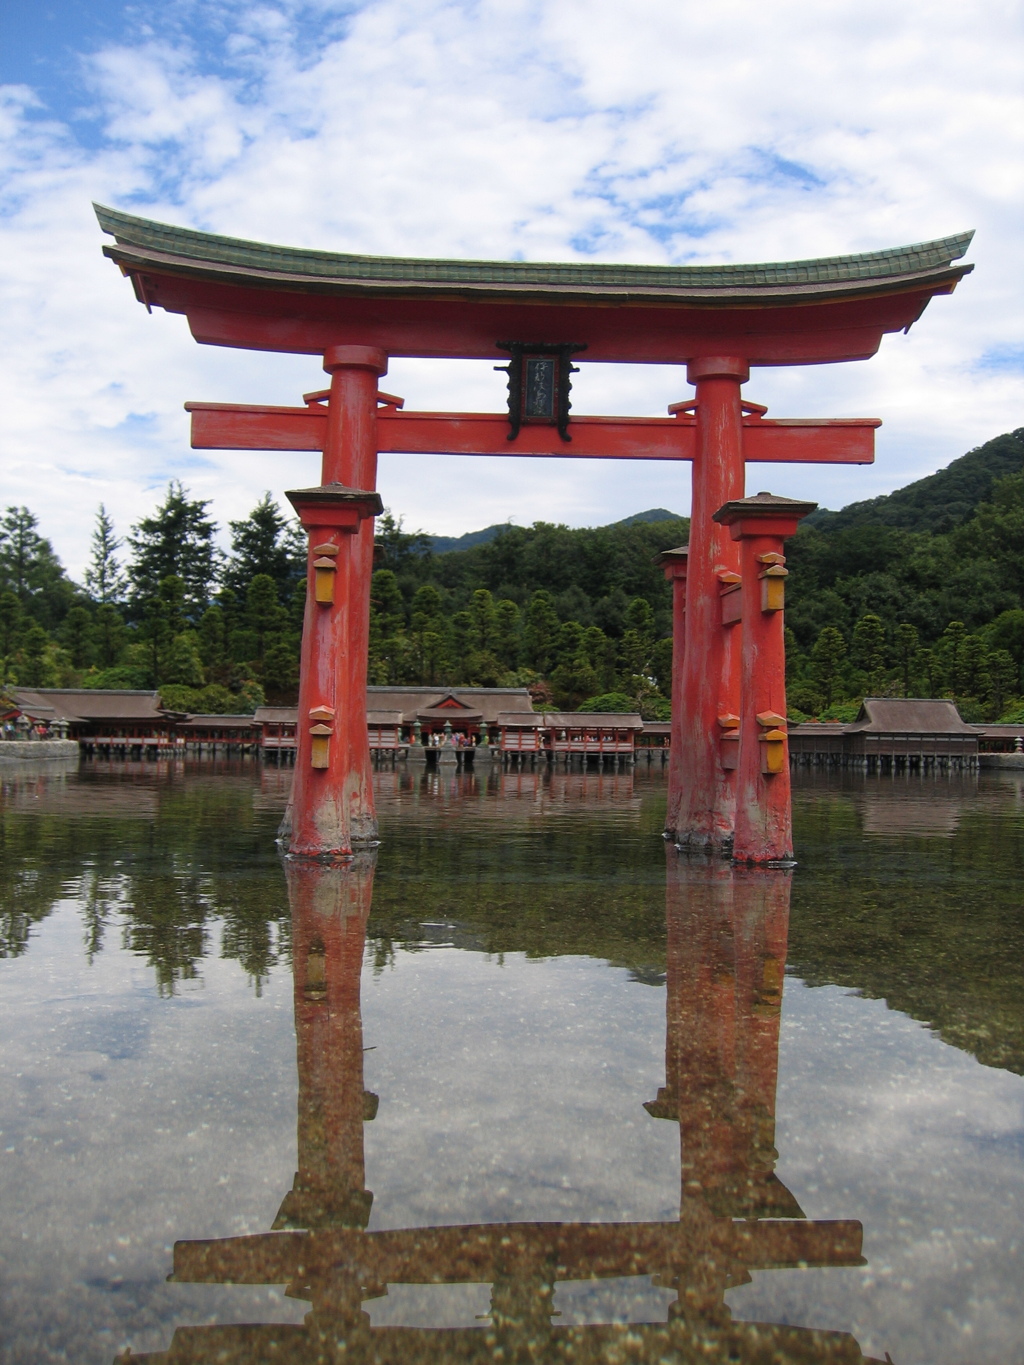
(190, 244)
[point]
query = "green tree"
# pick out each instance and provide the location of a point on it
(400, 550)
(868, 650)
(30, 662)
(108, 635)
(906, 648)
(177, 541)
(428, 630)
(281, 670)
(951, 648)
(182, 662)
(104, 578)
(11, 622)
(481, 608)
(213, 644)
(388, 644)
(827, 657)
(265, 542)
(541, 631)
(574, 677)
(508, 632)
(163, 619)
(30, 569)
(929, 667)
(973, 665)
(76, 634)
(263, 613)
(1001, 671)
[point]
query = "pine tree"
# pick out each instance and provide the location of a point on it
(266, 542)
(826, 657)
(76, 634)
(539, 635)
(178, 542)
(108, 635)
(31, 570)
(906, 652)
(11, 622)
(104, 578)
(869, 649)
(263, 613)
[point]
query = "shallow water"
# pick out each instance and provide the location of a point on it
(523, 1086)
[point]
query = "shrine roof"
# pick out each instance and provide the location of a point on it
(909, 715)
(144, 244)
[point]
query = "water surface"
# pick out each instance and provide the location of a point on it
(523, 1086)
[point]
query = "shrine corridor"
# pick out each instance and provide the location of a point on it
(522, 1085)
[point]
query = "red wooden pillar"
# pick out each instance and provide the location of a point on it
(701, 810)
(332, 795)
(674, 563)
(350, 458)
(764, 832)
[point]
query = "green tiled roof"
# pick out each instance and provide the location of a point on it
(144, 238)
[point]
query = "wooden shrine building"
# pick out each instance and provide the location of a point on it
(729, 769)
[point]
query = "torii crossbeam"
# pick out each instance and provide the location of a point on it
(718, 321)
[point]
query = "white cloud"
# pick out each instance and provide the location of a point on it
(675, 131)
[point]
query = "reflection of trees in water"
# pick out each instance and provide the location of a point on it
(932, 925)
(192, 872)
(726, 947)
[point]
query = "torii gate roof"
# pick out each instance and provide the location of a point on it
(251, 294)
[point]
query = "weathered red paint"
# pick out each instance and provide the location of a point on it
(467, 326)
(331, 809)
(228, 426)
(701, 811)
(675, 565)
(357, 315)
(764, 831)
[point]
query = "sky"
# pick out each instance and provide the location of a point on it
(673, 132)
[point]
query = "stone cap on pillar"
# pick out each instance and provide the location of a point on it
(765, 514)
(674, 562)
(333, 504)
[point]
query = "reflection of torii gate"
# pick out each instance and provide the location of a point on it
(727, 943)
(357, 311)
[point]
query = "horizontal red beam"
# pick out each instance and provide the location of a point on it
(229, 426)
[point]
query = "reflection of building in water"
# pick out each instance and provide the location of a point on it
(727, 942)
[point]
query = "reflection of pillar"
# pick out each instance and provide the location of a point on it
(329, 908)
(332, 793)
(674, 563)
(710, 683)
(763, 815)
(727, 931)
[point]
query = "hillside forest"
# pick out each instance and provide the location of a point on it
(917, 593)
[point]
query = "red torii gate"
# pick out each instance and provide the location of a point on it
(357, 311)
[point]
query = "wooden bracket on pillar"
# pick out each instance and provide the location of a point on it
(773, 581)
(332, 506)
(729, 742)
(772, 739)
(731, 597)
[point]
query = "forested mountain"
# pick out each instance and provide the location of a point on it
(939, 502)
(918, 593)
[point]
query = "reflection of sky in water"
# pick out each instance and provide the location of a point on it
(510, 1087)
